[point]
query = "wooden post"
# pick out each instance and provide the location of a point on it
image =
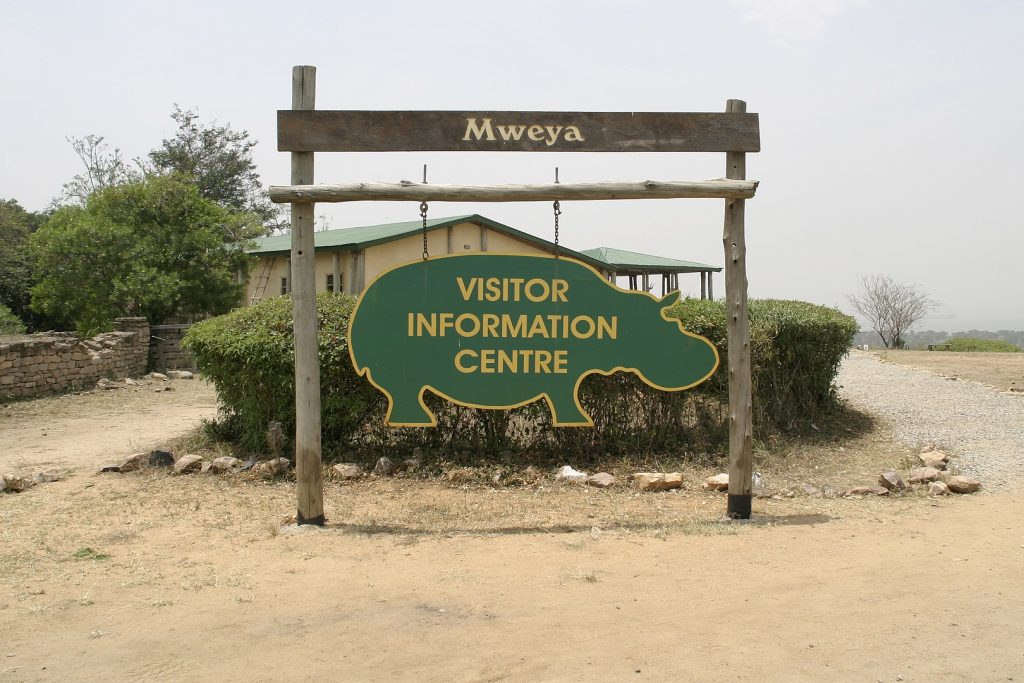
(308, 468)
(738, 333)
(703, 285)
(711, 286)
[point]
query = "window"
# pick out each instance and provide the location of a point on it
(330, 283)
(284, 285)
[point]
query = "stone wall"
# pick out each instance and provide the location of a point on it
(49, 363)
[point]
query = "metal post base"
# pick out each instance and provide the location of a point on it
(300, 520)
(739, 506)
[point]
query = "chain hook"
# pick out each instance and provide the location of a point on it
(423, 215)
(558, 212)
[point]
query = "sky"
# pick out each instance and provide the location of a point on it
(888, 129)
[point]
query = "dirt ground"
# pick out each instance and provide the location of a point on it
(149, 576)
(87, 429)
(1000, 370)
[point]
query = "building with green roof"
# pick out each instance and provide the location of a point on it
(347, 259)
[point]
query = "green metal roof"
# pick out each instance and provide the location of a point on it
(351, 239)
(631, 260)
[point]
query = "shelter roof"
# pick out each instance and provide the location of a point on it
(623, 260)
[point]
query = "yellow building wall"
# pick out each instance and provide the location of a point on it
(382, 257)
(259, 286)
(359, 269)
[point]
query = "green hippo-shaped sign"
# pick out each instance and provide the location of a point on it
(502, 330)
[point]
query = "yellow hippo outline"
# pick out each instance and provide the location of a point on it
(673, 296)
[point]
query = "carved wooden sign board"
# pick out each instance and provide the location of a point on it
(520, 131)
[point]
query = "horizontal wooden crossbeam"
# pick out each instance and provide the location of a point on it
(410, 191)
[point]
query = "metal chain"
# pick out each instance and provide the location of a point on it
(558, 212)
(423, 215)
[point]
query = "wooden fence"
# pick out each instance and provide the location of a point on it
(165, 352)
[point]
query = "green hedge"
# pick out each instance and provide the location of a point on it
(796, 348)
(987, 345)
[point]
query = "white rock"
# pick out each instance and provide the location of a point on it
(567, 473)
(719, 482)
(180, 374)
(938, 488)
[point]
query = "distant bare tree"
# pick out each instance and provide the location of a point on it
(891, 307)
(103, 168)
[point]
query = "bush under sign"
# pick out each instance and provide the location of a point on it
(500, 331)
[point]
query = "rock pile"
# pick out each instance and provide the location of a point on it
(190, 463)
(934, 473)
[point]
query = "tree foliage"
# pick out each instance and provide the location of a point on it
(218, 159)
(153, 247)
(890, 307)
(16, 271)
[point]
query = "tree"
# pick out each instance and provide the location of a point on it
(218, 160)
(103, 168)
(9, 323)
(891, 307)
(153, 247)
(16, 271)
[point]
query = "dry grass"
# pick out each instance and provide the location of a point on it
(1000, 370)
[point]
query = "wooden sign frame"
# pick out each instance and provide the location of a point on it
(304, 131)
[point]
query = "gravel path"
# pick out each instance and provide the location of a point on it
(983, 427)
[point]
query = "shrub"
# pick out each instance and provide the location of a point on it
(10, 323)
(796, 348)
(975, 344)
